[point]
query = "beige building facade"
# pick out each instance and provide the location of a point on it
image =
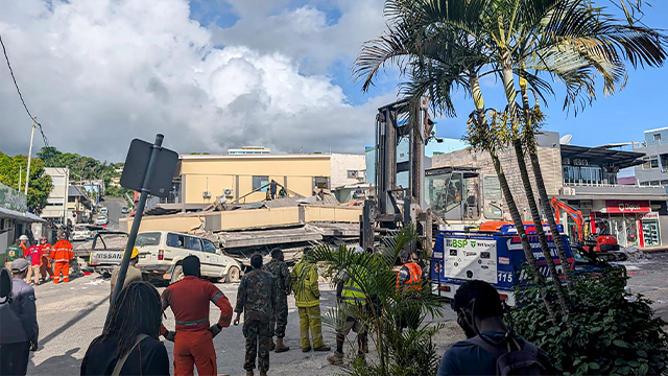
(199, 179)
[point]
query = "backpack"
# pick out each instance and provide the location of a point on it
(518, 362)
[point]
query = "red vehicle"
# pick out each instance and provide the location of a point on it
(598, 238)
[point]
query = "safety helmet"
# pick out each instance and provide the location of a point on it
(135, 253)
(23, 237)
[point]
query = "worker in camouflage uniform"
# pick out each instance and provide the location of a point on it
(257, 300)
(279, 320)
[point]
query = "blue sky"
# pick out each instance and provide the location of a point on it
(611, 119)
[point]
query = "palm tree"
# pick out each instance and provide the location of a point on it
(568, 39)
(438, 61)
(409, 350)
(573, 42)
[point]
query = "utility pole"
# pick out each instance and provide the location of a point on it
(20, 176)
(32, 137)
(67, 195)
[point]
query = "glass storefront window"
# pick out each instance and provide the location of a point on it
(625, 229)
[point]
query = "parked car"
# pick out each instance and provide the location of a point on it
(161, 253)
(125, 210)
(104, 211)
(82, 232)
(101, 220)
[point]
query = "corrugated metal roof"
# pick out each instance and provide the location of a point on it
(27, 217)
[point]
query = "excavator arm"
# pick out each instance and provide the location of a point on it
(576, 215)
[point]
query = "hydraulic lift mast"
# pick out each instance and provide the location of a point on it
(393, 122)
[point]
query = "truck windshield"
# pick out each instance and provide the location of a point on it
(148, 238)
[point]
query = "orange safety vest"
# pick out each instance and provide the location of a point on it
(414, 276)
(62, 251)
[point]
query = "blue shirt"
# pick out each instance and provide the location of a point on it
(464, 358)
(18, 319)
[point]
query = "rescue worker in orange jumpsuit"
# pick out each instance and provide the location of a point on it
(409, 279)
(46, 267)
(61, 254)
(193, 340)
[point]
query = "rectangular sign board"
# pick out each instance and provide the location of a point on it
(135, 168)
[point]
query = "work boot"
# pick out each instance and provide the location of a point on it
(322, 348)
(250, 373)
(336, 358)
(263, 373)
(280, 347)
(306, 349)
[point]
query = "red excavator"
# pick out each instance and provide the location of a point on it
(598, 238)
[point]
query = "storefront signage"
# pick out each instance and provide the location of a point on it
(653, 215)
(624, 207)
(576, 161)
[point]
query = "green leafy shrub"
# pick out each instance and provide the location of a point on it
(605, 334)
(407, 352)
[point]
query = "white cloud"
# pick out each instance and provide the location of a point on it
(99, 73)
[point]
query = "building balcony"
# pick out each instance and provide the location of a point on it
(613, 192)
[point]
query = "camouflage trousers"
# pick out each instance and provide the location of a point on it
(279, 320)
(258, 337)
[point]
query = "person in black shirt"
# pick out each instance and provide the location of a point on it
(480, 314)
(137, 312)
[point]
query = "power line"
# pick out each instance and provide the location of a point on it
(18, 90)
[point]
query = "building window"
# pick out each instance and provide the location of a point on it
(664, 182)
(321, 182)
(260, 181)
(664, 162)
(644, 183)
(352, 174)
(657, 137)
(650, 162)
(655, 183)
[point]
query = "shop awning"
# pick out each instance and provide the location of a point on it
(13, 214)
(602, 156)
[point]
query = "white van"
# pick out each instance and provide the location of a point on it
(161, 253)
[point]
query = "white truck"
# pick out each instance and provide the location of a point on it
(161, 254)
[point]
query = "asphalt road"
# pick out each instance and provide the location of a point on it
(650, 278)
(71, 315)
(114, 206)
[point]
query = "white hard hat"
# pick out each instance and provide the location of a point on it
(23, 237)
(359, 249)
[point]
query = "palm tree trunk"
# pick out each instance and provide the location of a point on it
(547, 209)
(530, 142)
(535, 215)
(510, 201)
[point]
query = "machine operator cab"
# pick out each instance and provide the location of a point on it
(462, 194)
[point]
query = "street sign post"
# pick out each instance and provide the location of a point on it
(148, 168)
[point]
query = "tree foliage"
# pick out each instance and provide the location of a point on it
(40, 183)
(81, 167)
(607, 333)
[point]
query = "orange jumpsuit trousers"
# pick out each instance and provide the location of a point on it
(194, 349)
(63, 266)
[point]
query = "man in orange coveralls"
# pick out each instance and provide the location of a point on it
(193, 339)
(61, 254)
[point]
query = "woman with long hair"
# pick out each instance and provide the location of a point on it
(129, 344)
